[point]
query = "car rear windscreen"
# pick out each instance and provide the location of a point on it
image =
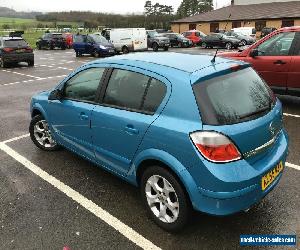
(236, 97)
(15, 43)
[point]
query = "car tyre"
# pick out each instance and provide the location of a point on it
(40, 134)
(155, 46)
(31, 63)
(171, 207)
(51, 47)
(96, 53)
(166, 48)
(3, 64)
(228, 46)
(180, 44)
(38, 46)
(125, 50)
(204, 45)
(244, 42)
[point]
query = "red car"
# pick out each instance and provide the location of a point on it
(276, 58)
(69, 39)
(195, 36)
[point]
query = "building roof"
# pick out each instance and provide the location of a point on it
(276, 10)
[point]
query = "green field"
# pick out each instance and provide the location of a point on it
(22, 23)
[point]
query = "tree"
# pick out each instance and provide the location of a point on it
(194, 7)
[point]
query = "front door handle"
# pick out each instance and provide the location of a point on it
(279, 62)
(131, 130)
(83, 116)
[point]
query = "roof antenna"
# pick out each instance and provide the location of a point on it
(214, 58)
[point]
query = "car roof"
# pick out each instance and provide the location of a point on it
(183, 62)
(6, 38)
(292, 28)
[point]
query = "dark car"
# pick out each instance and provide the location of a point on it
(266, 31)
(14, 50)
(95, 45)
(51, 41)
(220, 40)
(178, 40)
(244, 40)
(156, 40)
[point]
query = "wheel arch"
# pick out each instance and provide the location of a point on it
(170, 163)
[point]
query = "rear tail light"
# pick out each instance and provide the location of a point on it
(215, 147)
(8, 49)
(29, 49)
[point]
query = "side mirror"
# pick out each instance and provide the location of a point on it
(254, 53)
(55, 95)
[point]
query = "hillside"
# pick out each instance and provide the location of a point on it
(7, 12)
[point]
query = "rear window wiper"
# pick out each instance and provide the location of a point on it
(258, 111)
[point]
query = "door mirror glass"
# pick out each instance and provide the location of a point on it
(254, 53)
(55, 95)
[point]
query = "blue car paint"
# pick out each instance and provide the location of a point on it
(218, 189)
(88, 48)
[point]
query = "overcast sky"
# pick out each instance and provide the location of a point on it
(110, 6)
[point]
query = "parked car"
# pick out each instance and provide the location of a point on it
(127, 39)
(220, 40)
(244, 40)
(156, 40)
(266, 31)
(128, 114)
(51, 41)
(247, 31)
(178, 40)
(69, 39)
(14, 50)
(195, 36)
(95, 45)
(276, 58)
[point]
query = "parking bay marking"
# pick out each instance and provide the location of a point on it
(291, 115)
(32, 80)
(102, 214)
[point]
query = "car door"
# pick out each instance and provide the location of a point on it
(79, 43)
(129, 105)
(70, 116)
(293, 82)
(274, 59)
(89, 45)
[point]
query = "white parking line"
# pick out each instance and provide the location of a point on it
(291, 115)
(31, 80)
(102, 214)
(21, 74)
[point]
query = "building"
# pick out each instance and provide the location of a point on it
(242, 14)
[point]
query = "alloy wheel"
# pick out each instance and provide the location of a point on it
(43, 135)
(162, 199)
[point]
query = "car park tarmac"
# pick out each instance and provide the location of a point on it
(56, 200)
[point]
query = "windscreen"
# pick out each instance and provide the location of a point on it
(15, 43)
(99, 39)
(233, 98)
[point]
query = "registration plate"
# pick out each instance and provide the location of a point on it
(268, 178)
(20, 50)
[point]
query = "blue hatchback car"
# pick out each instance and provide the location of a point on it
(94, 45)
(191, 133)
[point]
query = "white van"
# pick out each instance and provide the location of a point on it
(247, 31)
(129, 39)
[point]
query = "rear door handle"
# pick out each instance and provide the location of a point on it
(131, 130)
(83, 116)
(279, 62)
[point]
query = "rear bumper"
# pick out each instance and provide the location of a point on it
(24, 57)
(229, 202)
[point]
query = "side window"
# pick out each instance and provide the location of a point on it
(277, 45)
(297, 37)
(126, 89)
(155, 94)
(83, 86)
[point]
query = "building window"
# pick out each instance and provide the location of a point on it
(236, 24)
(192, 26)
(214, 27)
(287, 23)
(259, 25)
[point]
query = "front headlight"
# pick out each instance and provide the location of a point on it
(102, 47)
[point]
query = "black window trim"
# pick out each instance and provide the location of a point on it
(100, 84)
(100, 100)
